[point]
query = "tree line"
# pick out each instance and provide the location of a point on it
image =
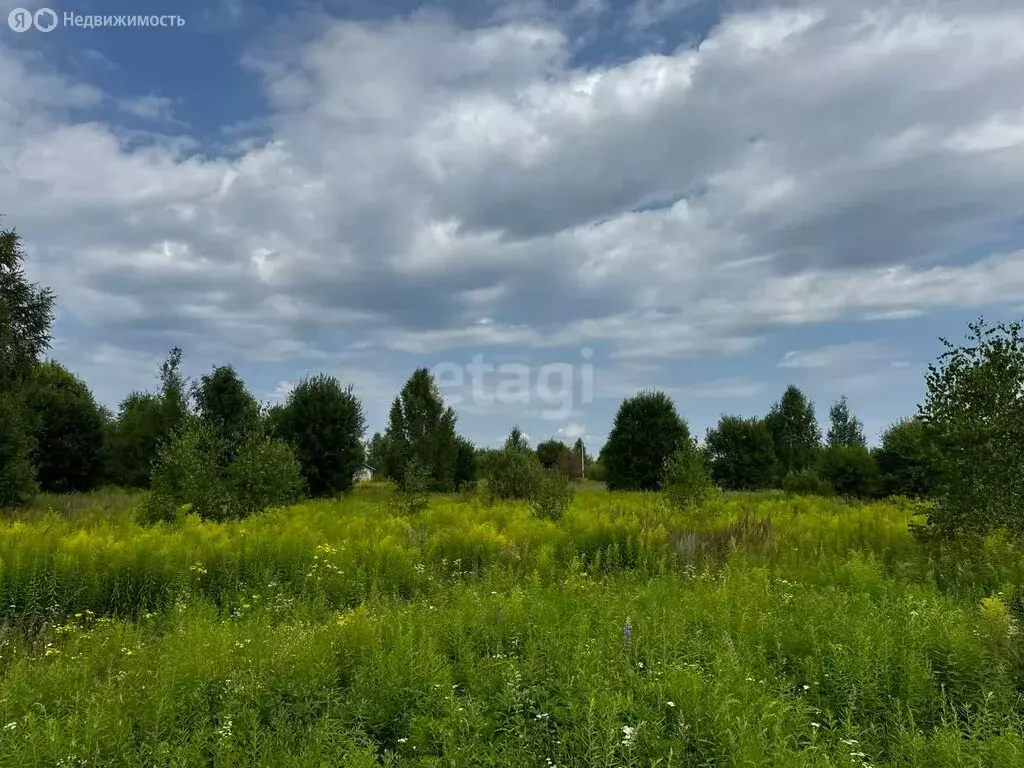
(208, 446)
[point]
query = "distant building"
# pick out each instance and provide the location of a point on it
(365, 474)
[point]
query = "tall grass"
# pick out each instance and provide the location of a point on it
(765, 630)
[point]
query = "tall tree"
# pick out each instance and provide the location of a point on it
(974, 416)
(845, 430)
(646, 432)
(795, 431)
(421, 433)
(517, 440)
(324, 423)
(26, 314)
(227, 409)
(741, 454)
(68, 425)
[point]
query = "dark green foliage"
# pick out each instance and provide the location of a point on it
(646, 432)
(517, 440)
(324, 423)
(550, 453)
(514, 473)
(741, 454)
(376, 453)
(465, 464)
(145, 424)
(26, 313)
(596, 472)
(974, 416)
(807, 482)
(845, 429)
(264, 473)
(552, 495)
(228, 410)
(850, 470)
(17, 473)
(420, 427)
(273, 421)
(413, 488)
(687, 482)
(68, 431)
(795, 432)
(906, 460)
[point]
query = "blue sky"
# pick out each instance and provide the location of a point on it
(716, 199)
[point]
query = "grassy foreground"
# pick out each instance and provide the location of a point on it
(764, 631)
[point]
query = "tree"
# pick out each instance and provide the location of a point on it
(421, 428)
(144, 425)
(646, 432)
(850, 470)
(687, 482)
(906, 460)
(974, 416)
(741, 454)
(68, 426)
(26, 314)
(517, 440)
(324, 423)
(795, 431)
(465, 464)
(376, 453)
(551, 452)
(227, 409)
(845, 429)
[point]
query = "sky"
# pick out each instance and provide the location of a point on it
(552, 205)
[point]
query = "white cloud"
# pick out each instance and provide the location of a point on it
(428, 188)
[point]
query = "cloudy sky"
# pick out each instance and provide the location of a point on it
(588, 197)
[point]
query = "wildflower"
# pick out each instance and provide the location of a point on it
(402, 740)
(816, 725)
(627, 632)
(671, 703)
(627, 735)
(11, 725)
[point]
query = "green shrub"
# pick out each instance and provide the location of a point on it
(514, 474)
(687, 483)
(264, 474)
(17, 474)
(850, 470)
(412, 491)
(906, 460)
(552, 495)
(741, 454)
(807, 482)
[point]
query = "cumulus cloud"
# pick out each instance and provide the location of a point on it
(425, 187)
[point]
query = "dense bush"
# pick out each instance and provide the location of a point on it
(17, 473)
(264, 473)
(741, 454)
(228, 410)
(974, 416)
(465, 465)
(646, 432)
(552, 495)
(514, 473)
(687, 482)
(850, 470)
(68, 426)
(324, 423)
(807, 482)
(906, 459)
(551, 453)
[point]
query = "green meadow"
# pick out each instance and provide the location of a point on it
(760, 630)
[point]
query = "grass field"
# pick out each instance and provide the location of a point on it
(765, 631)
